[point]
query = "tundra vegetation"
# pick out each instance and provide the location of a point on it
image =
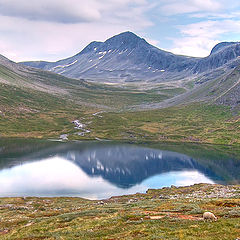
(168, 213)
(39, 104)
(41, 115)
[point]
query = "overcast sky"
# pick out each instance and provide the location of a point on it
(55, 29)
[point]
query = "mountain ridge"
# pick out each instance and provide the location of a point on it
(127, 57)
(223, 87)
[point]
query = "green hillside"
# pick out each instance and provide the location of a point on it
(39, 104)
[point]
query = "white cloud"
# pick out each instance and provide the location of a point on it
(190, 6)
(53, 29)
(218, 21)
(216, 15)
(59, 11)
(65, 11)
(199, 38)
(50, 30)
(195, 47)
(48, 178)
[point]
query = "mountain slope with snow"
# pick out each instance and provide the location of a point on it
(128, 58)
(125, 57)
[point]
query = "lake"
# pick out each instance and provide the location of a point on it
(98, 170)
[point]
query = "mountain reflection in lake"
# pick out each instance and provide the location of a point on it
(96, 170)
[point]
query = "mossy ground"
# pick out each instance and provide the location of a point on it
(29, 113)
(195, 123)
(169, 213)
(38, 104)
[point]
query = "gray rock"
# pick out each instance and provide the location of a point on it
(127, 58)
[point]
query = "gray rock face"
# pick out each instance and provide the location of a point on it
(222, 54)
(221, 46)
(231, 95)
(127, 57)
(232, 98)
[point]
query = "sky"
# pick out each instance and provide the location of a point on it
(55, 29)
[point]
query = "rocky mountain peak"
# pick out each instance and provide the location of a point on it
(127, 39)
(127, 57)
(221, 46)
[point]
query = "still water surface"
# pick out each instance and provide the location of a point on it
(101, 170)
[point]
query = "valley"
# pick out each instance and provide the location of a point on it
(119, 120)
(201, 106)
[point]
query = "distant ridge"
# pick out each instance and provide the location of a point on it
(221, 46)
(128, 58)
(220, 85)
(124, 57)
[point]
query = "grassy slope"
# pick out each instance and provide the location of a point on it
(49, 110)
(79, 90)
(193, 123)
(34, 103)
(155, 215)
(32, 113)
(36, 114)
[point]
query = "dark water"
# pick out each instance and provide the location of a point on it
(102, 169)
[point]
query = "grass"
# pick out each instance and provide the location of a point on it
(39, 115)
(194, 123)
(154, 215)
(40, 82)
(31, 113)
(46, 113)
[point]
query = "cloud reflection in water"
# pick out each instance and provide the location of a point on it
(59, 177)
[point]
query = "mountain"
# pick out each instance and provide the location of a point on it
(25, 85)
(220, 85)
(26, 88)
(226, 53)
(127, 58)
(41, 104)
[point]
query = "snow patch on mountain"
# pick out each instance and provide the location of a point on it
(129, 58)
(64, 66)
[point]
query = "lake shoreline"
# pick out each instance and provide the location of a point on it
(126, 141)
(173, 192)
